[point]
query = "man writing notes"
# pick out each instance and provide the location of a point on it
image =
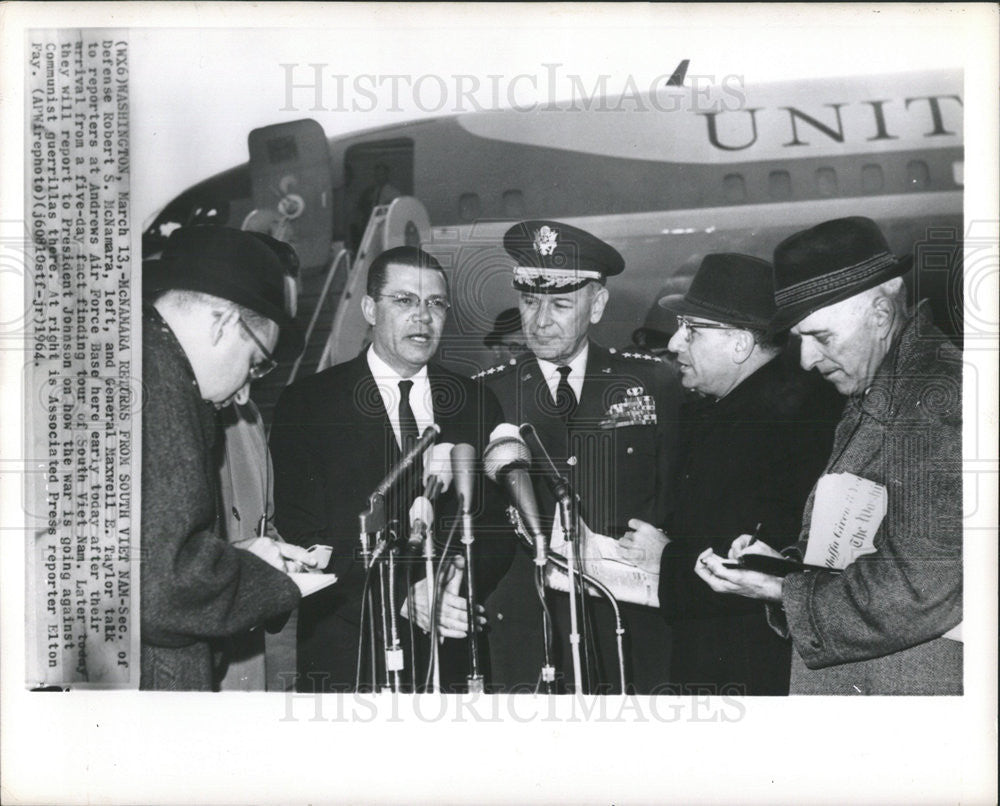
(608, 421)
(754, 436)
(883, 524)
(336, 435)
(218, 307)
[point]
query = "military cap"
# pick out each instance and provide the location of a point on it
(555, 258)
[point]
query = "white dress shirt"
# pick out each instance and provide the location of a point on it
(577, 368)
(387, 380)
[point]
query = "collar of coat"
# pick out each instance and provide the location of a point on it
(918, 340)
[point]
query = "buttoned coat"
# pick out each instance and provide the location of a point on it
(877, 628)
(331, 444)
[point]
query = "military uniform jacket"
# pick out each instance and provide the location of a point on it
(616, 447)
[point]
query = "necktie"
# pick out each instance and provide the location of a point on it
(408, 432)
(565, 397)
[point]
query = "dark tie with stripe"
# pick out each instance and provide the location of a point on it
(565, 396)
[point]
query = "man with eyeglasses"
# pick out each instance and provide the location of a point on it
(882, 615)
(335, 436)
(754, 435)
(216, 321)
(609, 421)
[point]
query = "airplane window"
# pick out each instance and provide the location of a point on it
(826, 181)
(513, 204)
(734, 187)
(958, 172)
(780, 185)
(917, 174)
(871, 178)
(468, 206)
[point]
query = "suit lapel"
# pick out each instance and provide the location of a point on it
(367, 402)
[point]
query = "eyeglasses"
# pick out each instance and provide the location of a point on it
(407, 303)
(267, 363)
(690, 327)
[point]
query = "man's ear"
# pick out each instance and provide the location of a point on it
(597, 304)
(222, 320)
(368, 309)
(883, 315)
(743, 346)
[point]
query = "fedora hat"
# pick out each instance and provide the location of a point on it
(247, 268)
(729, 288)
(832, 261)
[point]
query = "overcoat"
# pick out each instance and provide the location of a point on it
(195, 587)
(748, 458)
(877, 628)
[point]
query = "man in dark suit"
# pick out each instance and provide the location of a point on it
(755, 432)
(608, 421)
(337, 434)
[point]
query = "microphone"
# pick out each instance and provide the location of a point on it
(506, 461)
(437, 469)
(421, 519)
(556, 481)
(463, 459)
(404, 464)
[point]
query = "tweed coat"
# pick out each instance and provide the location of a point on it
(195, 587)
(877, 628)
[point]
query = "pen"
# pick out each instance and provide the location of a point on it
(755, 535)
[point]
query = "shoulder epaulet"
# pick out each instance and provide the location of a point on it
(643, 357)
(488, 373)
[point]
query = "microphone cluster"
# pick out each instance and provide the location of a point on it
(506, 461)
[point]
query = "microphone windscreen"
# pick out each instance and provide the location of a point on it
(503, 452)
(463, 461)
(437, 462)
(421, 510)
(505, 430)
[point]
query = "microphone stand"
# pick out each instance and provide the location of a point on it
(394, 660)
(475, 678)
(560, 562)
(567, 512)
(568, 516)
(431, 603)
(371, 521)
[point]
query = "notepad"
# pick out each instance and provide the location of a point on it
(310, 583)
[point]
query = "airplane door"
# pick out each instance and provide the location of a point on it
(292, 188)
(402, 222)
